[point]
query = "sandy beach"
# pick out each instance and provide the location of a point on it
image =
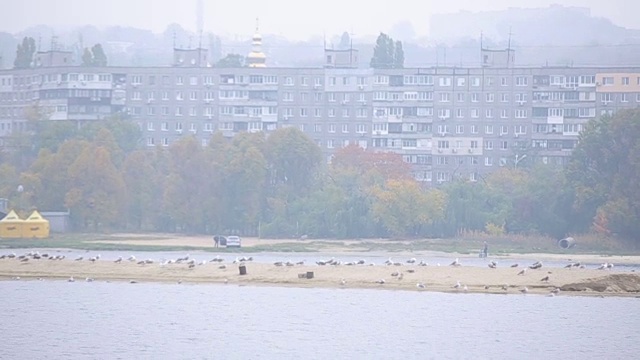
(592, 282)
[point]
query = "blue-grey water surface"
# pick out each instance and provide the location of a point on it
(99, 320)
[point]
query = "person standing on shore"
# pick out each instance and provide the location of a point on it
(485, 250)
(215, 240)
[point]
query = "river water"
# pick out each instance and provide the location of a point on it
(99, 320)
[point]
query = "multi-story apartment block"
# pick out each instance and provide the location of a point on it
(448, 122)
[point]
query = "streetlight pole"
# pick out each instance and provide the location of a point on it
(20, 189)
(518, 159)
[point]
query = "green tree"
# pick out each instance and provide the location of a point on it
(99, 56)
(143, 189)
(387, 54)
(87, 57)
(97, 190)
(231, 61)
(24, 53)
(383, 53)
(605, 172)
(398, 56)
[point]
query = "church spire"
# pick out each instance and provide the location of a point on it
(256, 57)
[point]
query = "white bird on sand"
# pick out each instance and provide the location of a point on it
(132, 258)
(79, 258)
(401, 276)
(457, 285)
(493, 264)
(455, 262)
(411, 261)
(381, 281)
(525, 290)
(88, 279)
(343, 281)
(71, 279)
(118, 260)
(465, 288)
(523, 271)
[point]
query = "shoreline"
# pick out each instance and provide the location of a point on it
(435, 278)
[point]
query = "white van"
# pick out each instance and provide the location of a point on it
(234, 241)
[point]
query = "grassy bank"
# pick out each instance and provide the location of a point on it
(469, 245)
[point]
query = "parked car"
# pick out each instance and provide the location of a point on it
(234, 241)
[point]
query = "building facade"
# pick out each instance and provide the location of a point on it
(448, 122)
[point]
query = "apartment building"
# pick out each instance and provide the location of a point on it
(448, 122)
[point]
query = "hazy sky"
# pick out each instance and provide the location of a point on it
(295, 19)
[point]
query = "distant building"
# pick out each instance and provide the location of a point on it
(345, 58)
(53, 58)
(447, 122)
(198, 57)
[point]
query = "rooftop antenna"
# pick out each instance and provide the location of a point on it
(199, 16)
(509, 48)
(174, 38)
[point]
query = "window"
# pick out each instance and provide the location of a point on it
(504, 98)
(332, 112)
(362, 113)
(423, 95)
(459, 129)
(504, 145)
(475, 97)
(444, 97)
(331, 97)
(504, 129)
(521, 114)
(178, 111)
(475, 113)
(345, 80)
(488, 129)
(488, 113)
(490, 97)
(444, 81)
(460, 81)
(287, 96)
(521, 81)
(623, 98)
(332, 128)
(488, 161)
(504, 81)
(345, 128)
(193, 80)
(303, 112)
(361, 128)
(345, 113)
(461, 97)
(193, 95)
(288, 81)
(179, 80)
(606, 98)
(317, 128)
(607, 80)
(474, 129)
(460, 113)
(136, 79)
(317, 112)
(179, 95)
(474, 144)
(475, 81)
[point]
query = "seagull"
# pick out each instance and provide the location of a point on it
(132, 258)
(79, 258)
(465, 288)
(381, 281)
(536, 265)
(226, 281)
(555, 291)
(132, 282)
(455, 263)
(493, 265)
(411, 261)
(514, 265)
(88, 279)
(505, 287)
(422, 263)
(457, 285)
(525, 290)
(395, 273)
(71, 279)
(523, 271)
(400, 276)
(343, 281)
(486, 287)
(546, 278)
(118, 260)
(420, 286)
(568, 266)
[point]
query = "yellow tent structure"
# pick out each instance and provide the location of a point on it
(35, 226)
(11, 226)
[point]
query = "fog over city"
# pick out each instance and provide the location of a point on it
(296, 20)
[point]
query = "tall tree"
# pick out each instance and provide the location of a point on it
(605, 172)
(345, 41)
(24, 53)
(398, 56)
(383, 53)
(99, 56)
(87, 57)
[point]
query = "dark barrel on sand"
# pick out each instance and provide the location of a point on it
(567, 243)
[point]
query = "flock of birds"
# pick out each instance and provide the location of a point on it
(399, 275)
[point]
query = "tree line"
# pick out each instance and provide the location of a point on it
(280, 186)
